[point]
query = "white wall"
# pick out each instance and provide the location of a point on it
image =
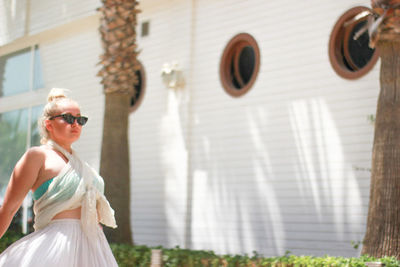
(159, 153)
(277, 169)
(274, 170)
(12, 20)
(62, 12)
(70, 61)
(19, 18)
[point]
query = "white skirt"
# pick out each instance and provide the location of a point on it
(60, 244)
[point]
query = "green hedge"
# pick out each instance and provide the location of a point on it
(128, 256)
(140, 256)
(9, 238)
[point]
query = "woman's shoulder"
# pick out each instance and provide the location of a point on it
(36, 152)
(32, 158)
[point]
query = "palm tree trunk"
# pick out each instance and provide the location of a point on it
(115, 164)
(383, 225)
(119, 66)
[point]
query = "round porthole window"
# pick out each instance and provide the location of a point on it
(351, 57)
(139, 88)
(240, 63)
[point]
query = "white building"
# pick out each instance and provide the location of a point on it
(283, 167)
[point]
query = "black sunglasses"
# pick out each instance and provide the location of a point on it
(68, 118)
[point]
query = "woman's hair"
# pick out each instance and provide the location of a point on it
(54, 98)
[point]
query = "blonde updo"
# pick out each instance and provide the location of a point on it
(54, 98)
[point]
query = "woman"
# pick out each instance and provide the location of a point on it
(68, 197)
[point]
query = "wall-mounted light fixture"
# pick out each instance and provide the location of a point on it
(172, 76)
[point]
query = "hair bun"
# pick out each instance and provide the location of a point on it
(56, 94)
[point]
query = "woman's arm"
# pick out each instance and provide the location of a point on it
(22, 179)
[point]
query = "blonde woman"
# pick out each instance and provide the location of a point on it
(68, 197)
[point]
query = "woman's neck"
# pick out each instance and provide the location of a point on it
(64, 145)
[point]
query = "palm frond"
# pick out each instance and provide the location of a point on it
(384, 17)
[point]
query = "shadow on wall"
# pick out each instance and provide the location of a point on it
(174, 160)
(279, 180)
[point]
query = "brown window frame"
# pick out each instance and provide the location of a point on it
(232, 52)
(339, 36)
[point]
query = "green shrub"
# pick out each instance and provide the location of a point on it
(140, 256)
(176, 257)
(127, 255)
(8, 238)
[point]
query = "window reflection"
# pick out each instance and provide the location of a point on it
(35, 136)
(20, 71)
(14, 139)
(37, 70)
(13, 133)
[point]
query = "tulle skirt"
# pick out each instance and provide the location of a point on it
(60, 244)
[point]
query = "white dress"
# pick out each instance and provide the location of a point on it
(62, 243)
(67, 242)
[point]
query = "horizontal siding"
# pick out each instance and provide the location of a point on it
(70, 62)
(300, 124)
(61, 12)
(158, 158)
(285, 167)
(12, 20)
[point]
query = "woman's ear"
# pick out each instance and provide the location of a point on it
(49, 126)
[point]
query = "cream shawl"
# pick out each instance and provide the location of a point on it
(76, 185)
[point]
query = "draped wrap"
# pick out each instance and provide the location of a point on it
(76, 185)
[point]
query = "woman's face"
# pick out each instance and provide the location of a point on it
(60, 130)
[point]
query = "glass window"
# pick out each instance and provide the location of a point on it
(240, 64)
(357, 52)
(351, 57)
(35, 135)
(20, 72)
(37, 70)
(13, 132)
(14, 139)
(140, 87)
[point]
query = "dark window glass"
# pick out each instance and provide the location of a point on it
(240, 64)
(351, 58)
(243, 62)
(247, 62)
(138, 95)
(359, 50)
(138, 88)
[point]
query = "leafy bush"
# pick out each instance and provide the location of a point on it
(176, 257)
(140, 256)
(127, 255)
(8, 238)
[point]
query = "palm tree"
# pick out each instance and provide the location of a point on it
(119, 65)
(383, 224)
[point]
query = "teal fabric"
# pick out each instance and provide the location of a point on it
(42, 189)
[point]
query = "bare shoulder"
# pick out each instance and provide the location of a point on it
(36, 152)
(34, 156)
(29, 165)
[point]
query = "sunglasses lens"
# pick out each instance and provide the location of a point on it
(81, 120)
(68, 118)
